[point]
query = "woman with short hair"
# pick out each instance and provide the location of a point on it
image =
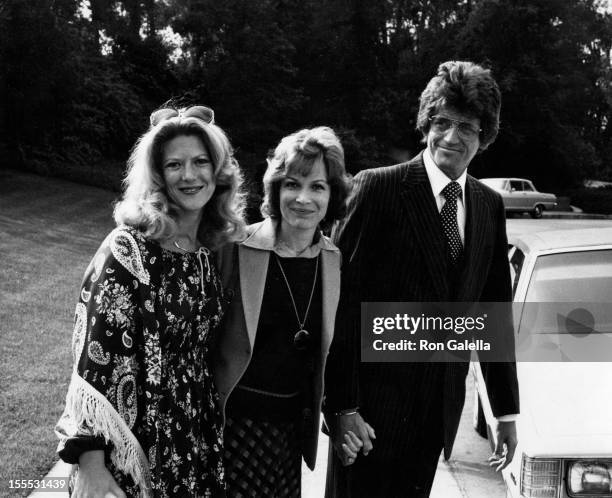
(285, 280)
(142, 415)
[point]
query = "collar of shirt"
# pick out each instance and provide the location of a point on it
(437, 182)
(264, 237)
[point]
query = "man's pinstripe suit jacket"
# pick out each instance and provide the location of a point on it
(394, 249)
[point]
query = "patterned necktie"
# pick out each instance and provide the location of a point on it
(449, 220)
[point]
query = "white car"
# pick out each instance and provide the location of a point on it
(520, 196)
(565, 425)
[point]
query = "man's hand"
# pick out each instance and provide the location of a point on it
(350, 435)
(505, 447)
(93, 479)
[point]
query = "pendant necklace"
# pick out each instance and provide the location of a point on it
(302, 336)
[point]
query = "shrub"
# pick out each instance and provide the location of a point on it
(593, 200)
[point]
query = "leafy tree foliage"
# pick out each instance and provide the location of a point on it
(548, 57)
(37, 74)
(80, 77)
(242, 63)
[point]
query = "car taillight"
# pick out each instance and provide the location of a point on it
(590, 478)
(540, 477)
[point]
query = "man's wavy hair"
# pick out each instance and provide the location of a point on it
(470, 89)
(145, 203)
(298, 152)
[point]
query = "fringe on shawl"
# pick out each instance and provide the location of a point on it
(87, 407)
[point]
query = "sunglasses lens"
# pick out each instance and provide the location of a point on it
(301, 340)
(162, 114)
(441, 124)
(204, 113)
(466, 130)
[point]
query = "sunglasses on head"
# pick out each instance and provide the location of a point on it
(201, 112)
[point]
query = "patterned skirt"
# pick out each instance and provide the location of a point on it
(262, 459)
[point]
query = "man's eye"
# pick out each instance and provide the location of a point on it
(467, 128)
(442, 122)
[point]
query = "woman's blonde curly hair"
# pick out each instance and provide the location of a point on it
(145, 203)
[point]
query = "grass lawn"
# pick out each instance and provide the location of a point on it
(49, 230)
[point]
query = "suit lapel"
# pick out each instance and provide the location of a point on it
(422, 213)
(475, 231)
(253, 271)
(330, 293)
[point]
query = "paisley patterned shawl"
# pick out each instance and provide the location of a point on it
(114, 388)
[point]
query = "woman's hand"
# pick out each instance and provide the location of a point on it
(351, 435)
(351, 446)
(93, 479)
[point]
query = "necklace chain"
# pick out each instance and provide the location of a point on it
(314, 283)
(178, 246)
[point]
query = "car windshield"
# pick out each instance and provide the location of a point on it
(580, 283)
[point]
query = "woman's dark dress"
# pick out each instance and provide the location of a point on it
(265, 413)
(144, 324)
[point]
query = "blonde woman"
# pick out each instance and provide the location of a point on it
(142, 416)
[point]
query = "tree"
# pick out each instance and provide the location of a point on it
(241, 63)
(64, 102)
(79, 88)
(547, 56)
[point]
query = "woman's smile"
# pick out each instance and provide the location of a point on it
(302, 211)
(191, 190)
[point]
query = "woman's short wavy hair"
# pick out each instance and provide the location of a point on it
(299, 152)
(470, 89)
(146, 204)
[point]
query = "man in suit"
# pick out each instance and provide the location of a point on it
(421, 231)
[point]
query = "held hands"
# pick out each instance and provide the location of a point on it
(93, 479)
(351, 435)
(505, 447)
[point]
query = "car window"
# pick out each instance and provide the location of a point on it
(516, 185)
(580, 281)
(527, 186)
(517, 257)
